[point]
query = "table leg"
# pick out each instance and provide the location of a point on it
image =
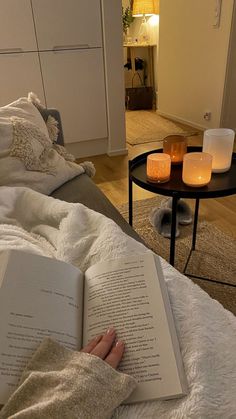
(173, 230)
(151, 75)
(132, 56)
(130, 187)
(195, 224)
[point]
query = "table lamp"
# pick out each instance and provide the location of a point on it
(145, 8)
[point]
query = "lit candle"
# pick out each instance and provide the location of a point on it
(219, 143)
(158, 167)
(197, 169)
(176, 147)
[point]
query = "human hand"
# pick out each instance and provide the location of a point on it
(102, 346)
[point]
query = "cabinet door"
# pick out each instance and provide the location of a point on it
(16, 26)
(20, 74)
(67, 24)
(74, 84)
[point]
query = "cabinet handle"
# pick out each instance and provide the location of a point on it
(63, 47)
(10, 50)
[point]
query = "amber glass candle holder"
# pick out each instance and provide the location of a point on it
(176, 147)
(158, 167)
(197, 169)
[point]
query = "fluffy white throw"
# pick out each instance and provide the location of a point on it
(207, 332)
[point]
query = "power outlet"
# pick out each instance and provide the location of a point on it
(207, 116)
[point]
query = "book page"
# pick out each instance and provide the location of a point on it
(39, 297)
(126, 294)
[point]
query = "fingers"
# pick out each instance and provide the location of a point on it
(91, 345)
(104, 346)
(115, 355)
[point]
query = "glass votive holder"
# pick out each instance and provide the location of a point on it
(158, 167)
(176, 147)
(219, 143)
(197, 169)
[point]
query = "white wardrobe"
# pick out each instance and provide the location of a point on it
(57, 49)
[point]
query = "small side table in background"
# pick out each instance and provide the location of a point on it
(150, 67)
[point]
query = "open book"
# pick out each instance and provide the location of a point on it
(42, 297)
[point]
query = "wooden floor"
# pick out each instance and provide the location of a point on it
(111, 177)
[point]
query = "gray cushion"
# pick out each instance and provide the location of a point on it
(54, 112)
(82, 189)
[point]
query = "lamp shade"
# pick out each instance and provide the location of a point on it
(145, 7)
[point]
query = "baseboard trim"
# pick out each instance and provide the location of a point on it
(120, 152)
(88, 148)
(182, 120)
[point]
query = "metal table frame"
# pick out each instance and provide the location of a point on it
(175, 194)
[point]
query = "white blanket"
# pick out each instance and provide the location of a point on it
(207, 332)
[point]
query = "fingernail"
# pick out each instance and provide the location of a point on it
(97, 338)
(110, 331)
(119, 344)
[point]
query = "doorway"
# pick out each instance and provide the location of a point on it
(144, 126)
(228, 114)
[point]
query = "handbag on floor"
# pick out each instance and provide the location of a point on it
(139, 97)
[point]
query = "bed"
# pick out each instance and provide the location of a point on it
(79, 225)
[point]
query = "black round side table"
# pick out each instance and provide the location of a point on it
(221, 184)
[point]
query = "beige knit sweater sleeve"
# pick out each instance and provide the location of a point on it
(59, 383)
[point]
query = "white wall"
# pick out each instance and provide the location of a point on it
(153, 28)
(113, 56)
(192, 60)
(228, 116)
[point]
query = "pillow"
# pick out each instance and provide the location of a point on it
(52, 127)
(23, 108)
(51, 123)
(28, 157)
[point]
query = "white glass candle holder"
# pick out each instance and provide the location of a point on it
(219, 143)
(158, 167)
(197, 169)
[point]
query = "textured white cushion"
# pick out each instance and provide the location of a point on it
(27, 155)
(23, 108)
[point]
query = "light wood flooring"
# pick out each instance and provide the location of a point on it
(111, 177)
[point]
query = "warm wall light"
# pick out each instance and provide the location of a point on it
(145, 7)
(153, 21)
